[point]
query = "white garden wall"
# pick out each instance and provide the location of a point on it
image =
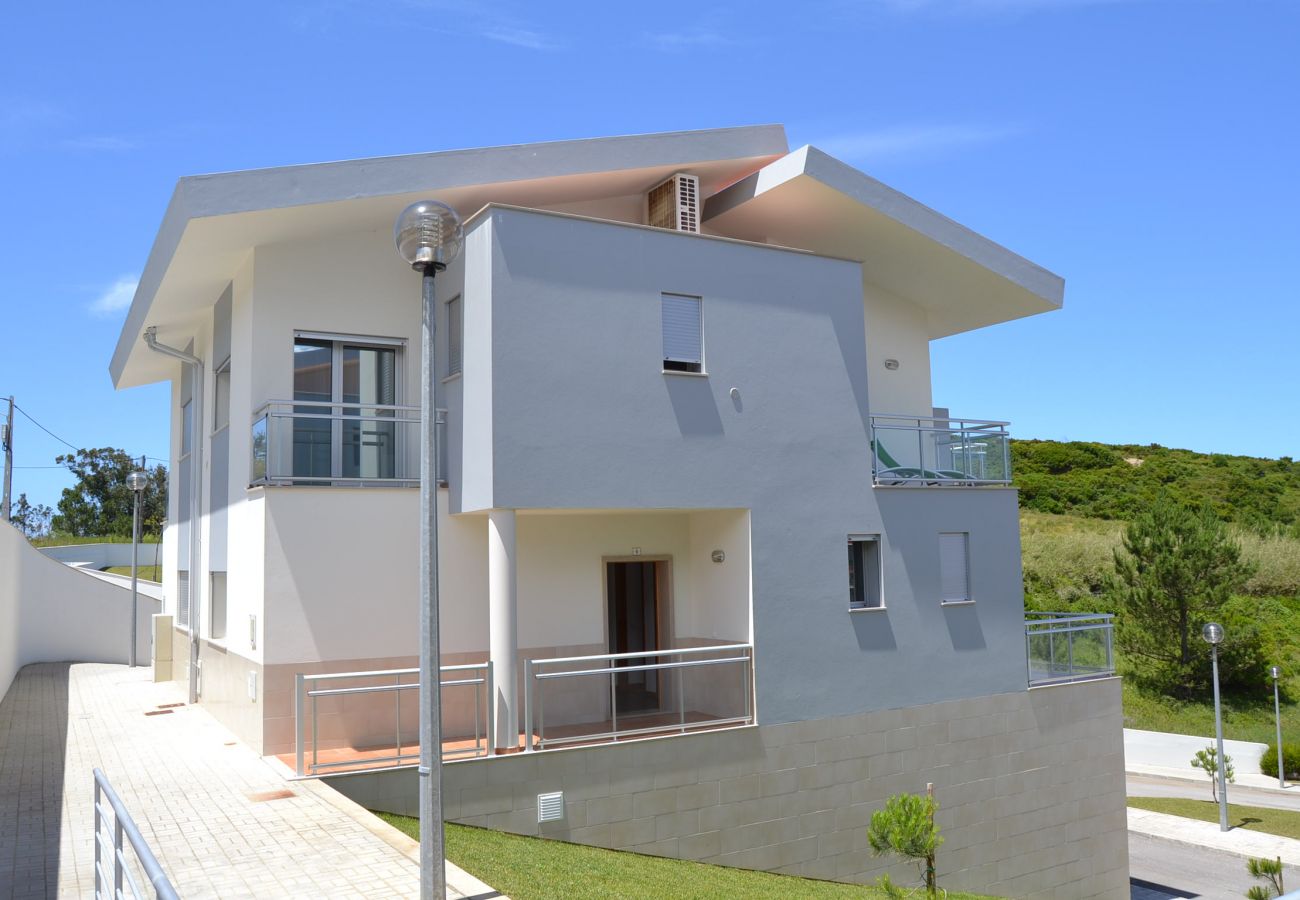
(52, 613)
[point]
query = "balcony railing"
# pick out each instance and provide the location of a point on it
(939, 452)
(1065, 647)
(353, 721)
(616, 696)
(300, 442)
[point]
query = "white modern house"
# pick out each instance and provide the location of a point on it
(714, 568)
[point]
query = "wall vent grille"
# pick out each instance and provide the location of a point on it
(550, 807)
(675, 204)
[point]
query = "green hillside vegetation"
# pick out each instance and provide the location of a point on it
(1075, 500)
(1113, 481)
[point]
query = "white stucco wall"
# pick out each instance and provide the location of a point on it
(101, 556)
(52, 613)
(896, 329)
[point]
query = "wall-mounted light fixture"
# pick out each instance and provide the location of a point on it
(891, 364)
(719, 556)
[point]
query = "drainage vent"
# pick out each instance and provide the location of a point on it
(550, 807)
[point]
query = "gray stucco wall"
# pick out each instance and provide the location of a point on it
(565, 406)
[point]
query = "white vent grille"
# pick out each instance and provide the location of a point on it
(183, 599)
(675, 204)
(550, 807)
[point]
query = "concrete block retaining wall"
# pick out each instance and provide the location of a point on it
(1030, 787)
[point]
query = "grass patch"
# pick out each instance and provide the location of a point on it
(1243, 720)
(1282, 822)
(527, 868)
(146, 573)
(64, 540)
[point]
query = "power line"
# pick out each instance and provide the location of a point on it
(43, 428)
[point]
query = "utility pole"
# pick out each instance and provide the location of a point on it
(8, 437)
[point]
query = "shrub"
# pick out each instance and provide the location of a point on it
(1290, 761)
(906, 827)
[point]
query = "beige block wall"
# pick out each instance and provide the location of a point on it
(225, 692)
(1030, 787)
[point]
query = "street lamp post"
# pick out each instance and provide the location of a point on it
(1213, 635)
(1277, 714)
(137, 481)
(428, 236)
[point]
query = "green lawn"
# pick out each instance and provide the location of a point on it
(63, 540)
(1282, 822)
(145, 573)
(526, 868)
(1242, 720)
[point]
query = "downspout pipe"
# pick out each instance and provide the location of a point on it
(196, 486)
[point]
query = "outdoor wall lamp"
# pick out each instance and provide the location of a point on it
(1212, 632)
(137, 481)
(429, 235)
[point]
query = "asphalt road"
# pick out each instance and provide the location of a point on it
(1164, 870)
(1145, 786)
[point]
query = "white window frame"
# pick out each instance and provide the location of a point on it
(703, 369)
(945, 537)
(874, 540)
(338, 342)
(220, 376)
(455, 337)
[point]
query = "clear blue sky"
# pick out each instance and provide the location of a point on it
(1146, 151)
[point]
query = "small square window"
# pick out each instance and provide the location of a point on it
(954, 567)
(683, 327)
(865, 582)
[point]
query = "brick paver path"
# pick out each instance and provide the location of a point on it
(190, 786)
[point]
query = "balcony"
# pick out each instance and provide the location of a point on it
(298, 442)
(1066, 647)
(927, 451)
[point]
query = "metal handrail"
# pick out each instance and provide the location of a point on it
(534, 714)
(123, 826)
(1070, 626)
(275, 423)
(483, 737)
(967, 448)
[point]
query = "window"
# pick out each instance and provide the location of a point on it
(221, 397)
(187, 427)
(344, 390)
(183, 598)
(217, 603)
(954, 567)
(683, 328)
(454, 335)
(865, 583)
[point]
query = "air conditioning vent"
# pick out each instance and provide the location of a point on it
(550, 807)
(675, 204)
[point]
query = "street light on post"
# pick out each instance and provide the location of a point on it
(429, 236)
(1213, 635)
(1277, 714)
(137, 481)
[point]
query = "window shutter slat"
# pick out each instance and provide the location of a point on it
(953, 581)
(683, 339)
(453, 336)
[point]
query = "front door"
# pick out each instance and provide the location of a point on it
(632, 589)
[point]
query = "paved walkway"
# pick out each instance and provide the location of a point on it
(1238, 841)
(202, 800)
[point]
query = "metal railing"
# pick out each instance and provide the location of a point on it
(119, 872)
(403, 752)
(616, 667)
(934, 451)
(307, 442)
(1065, 647)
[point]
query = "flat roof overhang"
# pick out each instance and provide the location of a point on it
(812, 201)
(213, 221)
